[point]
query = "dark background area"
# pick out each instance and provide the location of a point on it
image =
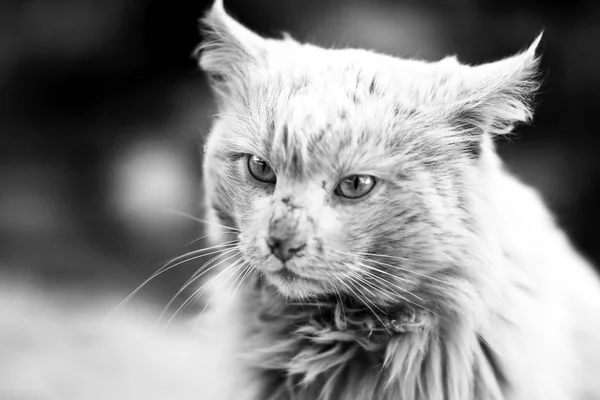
(102, 112)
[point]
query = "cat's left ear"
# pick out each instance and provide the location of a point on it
(229, 52)
(494, 97)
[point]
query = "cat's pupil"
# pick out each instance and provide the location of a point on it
(356, 182)
(260, 169)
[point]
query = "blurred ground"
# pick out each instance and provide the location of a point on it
(102, 113)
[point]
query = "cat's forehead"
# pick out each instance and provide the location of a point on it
(348, 103)
(336, 100)
(318, 118)
(358, 75)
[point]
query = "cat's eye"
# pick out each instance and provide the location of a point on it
(260, 170)
(355, 186)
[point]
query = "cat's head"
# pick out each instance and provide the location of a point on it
(351, 172)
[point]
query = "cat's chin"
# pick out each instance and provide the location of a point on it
(294, 286)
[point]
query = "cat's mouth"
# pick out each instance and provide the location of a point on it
(292, 284)
(287, 275)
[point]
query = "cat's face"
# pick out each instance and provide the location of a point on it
(344, 170)
(318, 184)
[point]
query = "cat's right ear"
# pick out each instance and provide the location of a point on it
(228, 52)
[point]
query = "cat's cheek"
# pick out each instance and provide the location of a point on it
(330, 234)
(252, 206)
(250, 246)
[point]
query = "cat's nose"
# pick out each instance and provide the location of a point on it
(284, 249)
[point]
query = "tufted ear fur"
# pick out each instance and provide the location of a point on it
(228, 52)
(493, 97)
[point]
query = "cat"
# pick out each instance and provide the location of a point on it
(390, 254)
(371, 246)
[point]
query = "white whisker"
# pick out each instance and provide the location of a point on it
(357, 295)
(198, 292)
(197, 275)
(191, 217)
(244, 274)
(381, 280)
(383, 291)
(168, 266)
(199, 252)
(404, 269)
(209, 235)
(199, 270)
(234, 269)
(361, 288)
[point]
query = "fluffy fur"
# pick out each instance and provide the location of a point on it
(449, 281)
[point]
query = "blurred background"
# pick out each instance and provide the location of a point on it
(103, 111)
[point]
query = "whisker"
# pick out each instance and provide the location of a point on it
(225, 248)
(197, 275)
(235, 280)
(311, 304)
(380, 279)
(371, 267)
(191, 217)
(403, 298)
(227, 244)
(353, 278)
(339, 296)
(245, 266)
(383, 291)
(405, 269)
(360, 288)
(166, 267)
(198, 292)
(209, 235)
(234, 269)
(318, 304)
(199, 270)
(359, 298)
(382, 255)
(245, 273)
